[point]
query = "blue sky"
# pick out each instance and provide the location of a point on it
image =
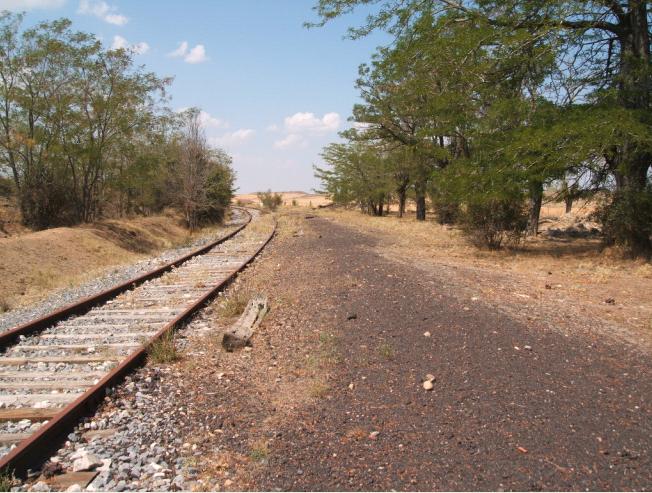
(273, 91)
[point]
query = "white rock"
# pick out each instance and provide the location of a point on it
(426, 334)
(428, 385)
(74, 487)
(40, 486)
(86, 462)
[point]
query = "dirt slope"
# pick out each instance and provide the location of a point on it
(34, 263)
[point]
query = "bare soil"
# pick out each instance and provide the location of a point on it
(331, 396)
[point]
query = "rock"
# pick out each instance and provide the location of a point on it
(74, 487)
(373, 435)
(51, 468)
(86, 462)
(351, 386)
(352, 316)
(527, 348)
(430, 377)
(40, 486)
(428, 385)
(121, 486)
(426, 334)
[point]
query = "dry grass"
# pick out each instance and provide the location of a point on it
(290, 199)
(259, 452)
(573, 274)
(34, 264)
(234, 302)
(318, 389)
(386, 351)
(163, 350)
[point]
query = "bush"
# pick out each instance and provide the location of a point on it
(270, 200)
(627, 220)
(6, 187)
(491, 223)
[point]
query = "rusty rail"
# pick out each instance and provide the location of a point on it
(32, 452)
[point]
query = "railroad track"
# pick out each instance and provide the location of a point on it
(56, 370)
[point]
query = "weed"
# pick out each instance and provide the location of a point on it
(4, 305)
(294, 202)
(163, 350)
(318, 389)
(234, 303)
(7, 481)
(386, 351)
(259, 452)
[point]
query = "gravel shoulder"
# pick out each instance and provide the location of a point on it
(331, 397)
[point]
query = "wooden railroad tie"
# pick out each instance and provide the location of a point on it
(239, 334)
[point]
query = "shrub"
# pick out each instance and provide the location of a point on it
(627, 220)
(270, 200)
(6, 187)
(491, 223)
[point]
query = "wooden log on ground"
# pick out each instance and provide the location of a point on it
(239, 334)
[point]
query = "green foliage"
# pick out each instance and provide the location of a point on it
(492, 102)
(86, 132)
(271, 201)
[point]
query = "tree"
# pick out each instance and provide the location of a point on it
(544, 63)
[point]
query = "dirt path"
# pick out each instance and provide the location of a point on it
(331, 396)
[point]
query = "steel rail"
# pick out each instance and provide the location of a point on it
(82, 306)
(33, 451)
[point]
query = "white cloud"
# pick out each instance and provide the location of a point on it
(31, 4)
(121, 43)
(180, 51)
(102, 10)
(209, 121)
(233, 138)
(290, 141)
(273, 128)
(304, 121)
(140, 48)
(194, 55)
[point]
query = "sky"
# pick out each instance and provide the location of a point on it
(272, 92)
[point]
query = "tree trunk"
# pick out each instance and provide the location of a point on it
(536, 198)
(569, 203)
(421, 205)
(401, 202)
(240, 333)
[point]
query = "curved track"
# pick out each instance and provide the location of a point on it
(61, 365)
